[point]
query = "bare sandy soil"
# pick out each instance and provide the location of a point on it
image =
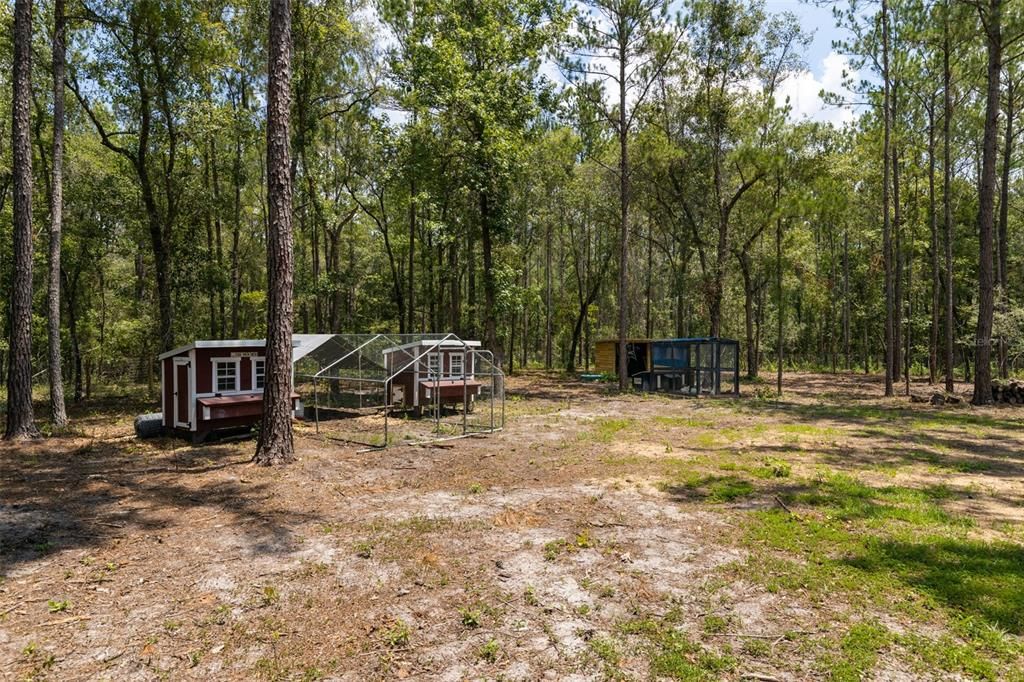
(510, 556)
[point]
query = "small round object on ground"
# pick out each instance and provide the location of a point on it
(149, 425)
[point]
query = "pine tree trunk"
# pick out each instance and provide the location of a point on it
(1004, 208)
(211, 290)
(623, 322)
(275, 445)
(748, 313)
(886, 223)
(58, 414)
(648, 320)
(897, 258)
(846, 301)
(547, 298)
(986, 210)
(218, 231)
(471, 306)
(70, 286)
(910, 312)
(411, 275)
(236, 222)
(933, 223)
(778, 295)
(490, 286)
(20, 417)
(947, 198)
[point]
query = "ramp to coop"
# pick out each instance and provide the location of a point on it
(386, 389)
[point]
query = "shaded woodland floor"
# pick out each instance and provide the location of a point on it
(831, 535)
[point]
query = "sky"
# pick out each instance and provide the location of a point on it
(826, 68)
(825, 65)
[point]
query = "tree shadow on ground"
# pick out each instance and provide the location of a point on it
(882, 415)
(873, 435)
(57, 498)
(973, 577)
(892, 534)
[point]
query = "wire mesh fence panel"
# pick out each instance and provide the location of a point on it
(383, 389)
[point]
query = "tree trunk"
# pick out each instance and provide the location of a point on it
(623, 322)
(886, 224)
(986, 206)
(490, 286)
(471, 319)
(70, 286)
(512, 344)
(778, 295)
(947, 190)
(411, 288)
(648, 321)
(218, 230)
(58, 414)
(20, 417)
(846, 301)
(211, 291)
(547, 297)
(910, 309)
(897, 257)
(1004, 207)
(454, 283)
(933, 224)
(524, 345)
(275, 445)
(236, 223)
(748, 313)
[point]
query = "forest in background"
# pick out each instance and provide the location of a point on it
(533, 173)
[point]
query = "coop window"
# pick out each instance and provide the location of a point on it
(456, 363)
(226, 375)
(259, 373)
(433, 364)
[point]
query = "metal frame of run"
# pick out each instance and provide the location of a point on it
(361, 363)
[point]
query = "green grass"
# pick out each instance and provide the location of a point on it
(800, 429)
(606, 428)
(714, 624)
(684, 422)
(717, 489)
(673, 654)
(857, 652)
(846, 498)
(607, 649)
(894, 550)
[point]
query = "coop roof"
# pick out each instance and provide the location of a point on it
(692, 339)
(435, 343)
(302, 345)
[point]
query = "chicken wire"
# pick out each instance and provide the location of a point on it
(351, 378)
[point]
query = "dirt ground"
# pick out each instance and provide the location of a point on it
(550, 550)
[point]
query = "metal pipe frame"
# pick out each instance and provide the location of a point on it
(470, 354)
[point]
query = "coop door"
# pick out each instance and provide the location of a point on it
(182, 393)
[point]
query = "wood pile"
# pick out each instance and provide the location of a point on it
(1011, 393)
(937, 399)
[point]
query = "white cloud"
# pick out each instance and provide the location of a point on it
(804, 91)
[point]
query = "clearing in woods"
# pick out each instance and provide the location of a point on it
(833, 535)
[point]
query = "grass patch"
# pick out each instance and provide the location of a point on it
(684, 422)
(606, 649)
(674, 655)
(808, 430)
(857, 652)
(846, 498)
(710, 488)
(714, 624)
(490, 651)
(894, 550)
(606, 428)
